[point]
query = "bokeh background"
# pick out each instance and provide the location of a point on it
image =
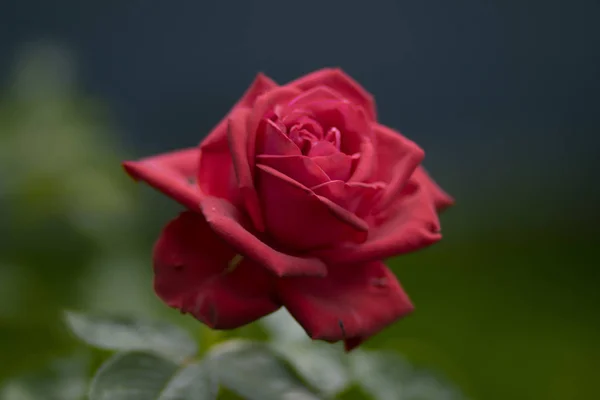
(502, 95)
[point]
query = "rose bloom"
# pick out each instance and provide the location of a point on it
(294, 199)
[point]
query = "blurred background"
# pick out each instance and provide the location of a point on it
(502, 95)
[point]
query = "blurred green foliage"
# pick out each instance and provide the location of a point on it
(506, 310)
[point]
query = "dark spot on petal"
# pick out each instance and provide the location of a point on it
(342, 328)
(178, 267)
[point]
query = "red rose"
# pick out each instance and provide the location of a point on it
(294, 199)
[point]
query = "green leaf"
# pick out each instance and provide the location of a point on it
(63, 379)
(145, 376)
(282, 327)
(322, 365)
(127, 334)
(193, 382)
(387, 376)
(255, 373)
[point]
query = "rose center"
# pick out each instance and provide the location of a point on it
(310, 137)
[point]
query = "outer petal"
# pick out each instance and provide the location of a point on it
(242, 142)
(259, 86)
(238, 136)
(171, 173)
(317, 93)
(299, 219)
(336, 79)
(352, 303)
(441, 199)
(230, 224)
(198, 273)
(397, 159)
(409, 224)
(216, 173)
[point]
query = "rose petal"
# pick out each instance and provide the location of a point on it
(365, 163)
(317, 93)
(397, 159)
(352, 303)
(357, 198)
(259, 86)
(349, 119)
(230, 224)
(238, 136)
(216, 175)
(272, 140)
(198, 273)
(171, 173)
(409, 224)
(337, 166)
(339, 81)
(215, 170)
(299, 219)
(301, 127)
(300, 168)
(347, 217)
(322, 148)
(241, 138)
(441, 199)
(261, 107)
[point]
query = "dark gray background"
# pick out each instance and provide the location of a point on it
(497, 92)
